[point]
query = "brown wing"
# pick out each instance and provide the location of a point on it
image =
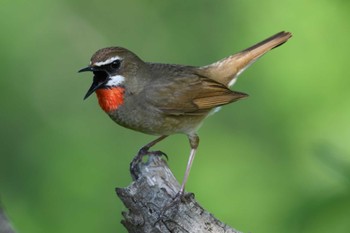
(189, 95)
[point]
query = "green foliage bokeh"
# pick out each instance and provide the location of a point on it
(277, 161)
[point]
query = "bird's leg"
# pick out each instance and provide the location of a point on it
(145, 151)
(194, 142)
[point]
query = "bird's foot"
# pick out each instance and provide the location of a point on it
(144, 151)
(176, 201)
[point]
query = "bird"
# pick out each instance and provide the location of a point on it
(165, 99)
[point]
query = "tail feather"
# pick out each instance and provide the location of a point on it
(228, 69)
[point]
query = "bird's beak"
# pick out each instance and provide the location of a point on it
(89, 68)
(94, 86)
(99, 79)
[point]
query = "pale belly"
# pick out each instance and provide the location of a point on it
(154, 122)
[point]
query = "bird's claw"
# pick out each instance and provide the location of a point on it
(175, 202)
(138, 158)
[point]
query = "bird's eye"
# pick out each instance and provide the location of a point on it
(115, 64)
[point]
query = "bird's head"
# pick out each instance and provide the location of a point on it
(111, 67)
(115, 69)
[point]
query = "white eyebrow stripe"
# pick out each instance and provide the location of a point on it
(108, 61)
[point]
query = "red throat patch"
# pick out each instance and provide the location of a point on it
(111, 98)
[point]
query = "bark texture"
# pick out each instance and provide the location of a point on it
(146, 197)
(5, 225)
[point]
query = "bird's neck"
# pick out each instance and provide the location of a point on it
(110, 98)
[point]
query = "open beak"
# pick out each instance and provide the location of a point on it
(94, 86)
(99, 79)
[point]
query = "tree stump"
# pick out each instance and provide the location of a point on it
(154, 189)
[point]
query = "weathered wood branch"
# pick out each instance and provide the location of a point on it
(146, 197)
(5, 225)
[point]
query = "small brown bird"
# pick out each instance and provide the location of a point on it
(165, 99)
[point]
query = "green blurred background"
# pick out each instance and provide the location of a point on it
(275, 162)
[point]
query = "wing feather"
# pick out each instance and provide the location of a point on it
(189, 95)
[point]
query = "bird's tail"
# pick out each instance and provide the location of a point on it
(228, 69)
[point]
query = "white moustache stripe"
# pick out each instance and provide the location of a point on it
(116, 80)
(108, 61)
